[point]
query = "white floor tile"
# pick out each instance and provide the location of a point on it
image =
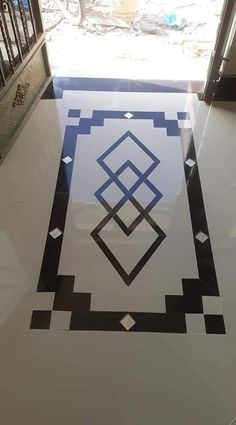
(116, 377)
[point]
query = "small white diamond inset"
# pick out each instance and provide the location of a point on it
(55, 233)
(67, 159)
(201, 237)
(190, 162)
(128, 322)
(128, 115)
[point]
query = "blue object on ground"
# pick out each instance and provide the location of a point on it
(170, 18)
(25, 3)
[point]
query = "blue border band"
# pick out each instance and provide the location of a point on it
(59, 84)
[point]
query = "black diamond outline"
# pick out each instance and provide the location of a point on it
(128, 278)
(98, 194)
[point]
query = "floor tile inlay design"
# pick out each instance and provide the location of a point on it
(129, 195)
(180, 310)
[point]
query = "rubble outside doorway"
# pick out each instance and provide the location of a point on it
(165, 40)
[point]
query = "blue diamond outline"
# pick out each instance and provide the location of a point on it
(141, 179)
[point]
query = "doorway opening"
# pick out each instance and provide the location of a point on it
(162, 40)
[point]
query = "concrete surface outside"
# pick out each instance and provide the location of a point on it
(166, 40)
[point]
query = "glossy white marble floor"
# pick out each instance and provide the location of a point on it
(118, 353)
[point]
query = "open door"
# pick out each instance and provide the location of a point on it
(218, 56)
(24, 68)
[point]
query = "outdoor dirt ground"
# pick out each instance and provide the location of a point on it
(143, 48)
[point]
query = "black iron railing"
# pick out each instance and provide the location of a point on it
(17, 35)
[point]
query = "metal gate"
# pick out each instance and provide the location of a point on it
(24, 68)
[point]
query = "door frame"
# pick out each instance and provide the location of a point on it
(217, 56)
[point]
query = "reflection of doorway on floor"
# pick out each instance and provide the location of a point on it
(166, 40)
